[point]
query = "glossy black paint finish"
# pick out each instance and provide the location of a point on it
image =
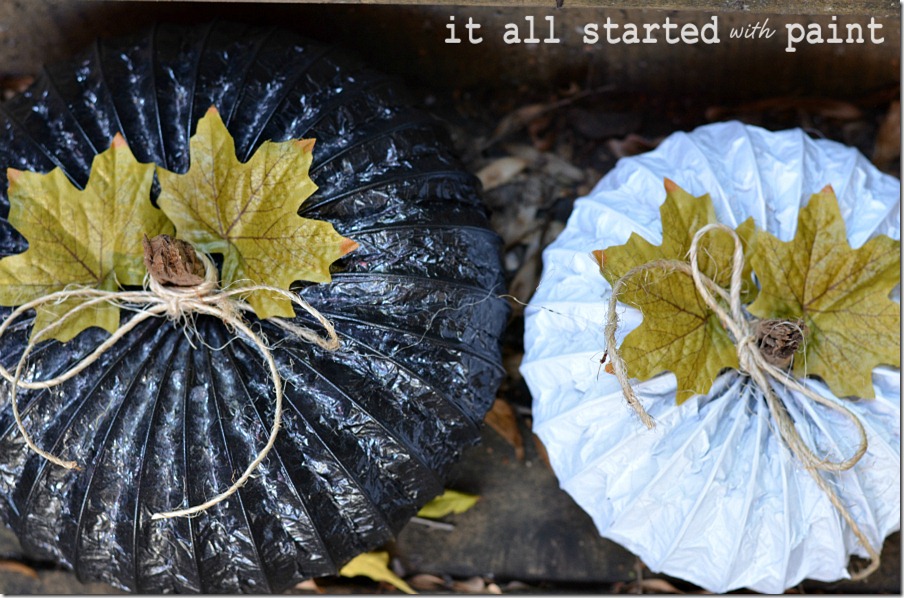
(368, 432)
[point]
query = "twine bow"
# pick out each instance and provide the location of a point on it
(752, 363)
(178, 304)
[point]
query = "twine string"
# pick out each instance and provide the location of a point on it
(617, 361)
(752, 363)
(178, 304)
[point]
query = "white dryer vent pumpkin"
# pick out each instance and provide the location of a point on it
(714, 493)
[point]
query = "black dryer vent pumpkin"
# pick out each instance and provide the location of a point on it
(369, 431)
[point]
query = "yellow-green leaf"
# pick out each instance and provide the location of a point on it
(450, 501)
(248, 212)
(682, 215)
(679, 333)
(375, 565)
(841, 293)
(89, 238)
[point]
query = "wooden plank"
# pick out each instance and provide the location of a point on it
(524, 527)
(877, 8)
(410, 41)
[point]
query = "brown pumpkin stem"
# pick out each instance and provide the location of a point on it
(779, 340)
(172, 262)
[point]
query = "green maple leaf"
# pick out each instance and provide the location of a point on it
(88, 238)
(249, 214)
(842, 294)
(679, 333)
(682, 215)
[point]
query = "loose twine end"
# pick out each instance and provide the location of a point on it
(763, 362)
(161, 298)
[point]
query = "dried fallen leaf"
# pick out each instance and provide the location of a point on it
(17, 568)
(657, 586)
(549, 163)
(524, 282)
(516, 586)
(12, 85)
(646, 586)
(450, 501)
(308, 585)
(511, 363)
(542, 134)
(518, 119)
(521, 117)
(631, 145)
(823, 107)
(503, 420)
(375, 565)
(472, 585)
(425, 582)
(541, 451)
(500, 171)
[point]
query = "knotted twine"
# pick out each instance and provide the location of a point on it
(178, 304)
(751, 362)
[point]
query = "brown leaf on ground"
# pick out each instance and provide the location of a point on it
(657, 586)
(425, 582)
(12, 85)
(500, 171)
(517, 586)
(518, 119)
(520, 227)
(526, 279)
(472, 585)
(542, 135)
(645, 586)
(631, 145)
(17, 568)
(511, 362)
(822, 107)
(503, 420)
(308, 586)
(541, 451)
(888, 138)
(522, 117)
(549, 163)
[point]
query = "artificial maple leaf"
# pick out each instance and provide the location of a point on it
(842, 294)
(88, 238)
(682, 215)
(679, 332)
(248, 212)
